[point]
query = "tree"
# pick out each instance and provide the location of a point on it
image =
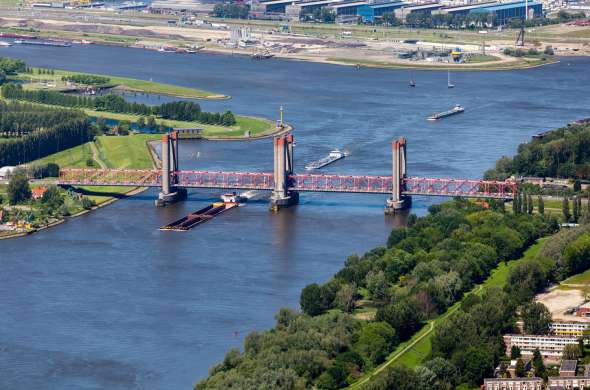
(376, 284)
(577, 254)
(538, 364)
(311, 300)
(515, 204)
(519, 370)
(571, 352)
(576, 212)
(479, 364)
(404, 316)
(514, 352)
(541, 205)
(345, 297)
(565, 208)
(577, 185)
(525, 205)
(151, 122)
(375, 341)
(18, 189)
(536, 317)
(52, 198)
(141, 122)
(530, 204)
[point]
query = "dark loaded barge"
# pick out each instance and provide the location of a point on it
(203, 215)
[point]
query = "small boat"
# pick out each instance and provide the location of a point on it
(449, 84)
(232, 197)
(334, 155)
(439, 115)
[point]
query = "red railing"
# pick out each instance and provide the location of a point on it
(299, 182)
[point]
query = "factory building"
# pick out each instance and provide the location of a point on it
(403, 12)
(505, 12)
(369, 12)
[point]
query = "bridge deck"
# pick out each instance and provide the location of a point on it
(299, 182)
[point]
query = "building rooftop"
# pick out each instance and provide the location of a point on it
(386, 4)
(533, 379)
(568, 365)
(505, 6)
(345, 4)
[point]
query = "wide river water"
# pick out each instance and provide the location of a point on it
(106, 301)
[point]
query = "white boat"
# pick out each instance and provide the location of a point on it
(232, 197)
(334, 155)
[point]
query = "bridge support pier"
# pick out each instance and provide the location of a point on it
(170, 193)
(398, 201)
(282, 196)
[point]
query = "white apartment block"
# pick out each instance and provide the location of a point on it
(576, 329)
(568, 382)
(550, 346)
(513, 384)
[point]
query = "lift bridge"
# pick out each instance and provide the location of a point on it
(284, 183)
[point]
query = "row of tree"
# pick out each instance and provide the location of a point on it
(563, 153)
(44, 131)
(114, 103)
(86, 79)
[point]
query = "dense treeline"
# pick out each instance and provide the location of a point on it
(561, 153)
(232, 11)
(86, 79)
(114, 103)
(425, 268)
(44, 131)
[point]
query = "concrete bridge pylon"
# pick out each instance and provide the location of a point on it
(398, 201)
(282, 196)
(170, 192)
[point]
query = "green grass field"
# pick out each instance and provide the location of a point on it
(421, 341)
(117, 152)
(125, 83)
(583, 278)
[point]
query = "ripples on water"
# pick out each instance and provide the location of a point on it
(108, 301)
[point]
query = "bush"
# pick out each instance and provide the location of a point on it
(18, 189)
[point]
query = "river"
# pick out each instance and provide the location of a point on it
(106, 301)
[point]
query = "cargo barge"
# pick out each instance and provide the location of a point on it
(203, 215)
(440, 115)
(334, 156)
(42, 43)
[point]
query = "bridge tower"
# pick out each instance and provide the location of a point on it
(398, 201)
(170, 192)
(281, 196)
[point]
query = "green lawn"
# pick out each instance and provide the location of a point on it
(117, 152)
(75, 157)
(476, 59)
(421, 341)
(583, 278)
(126, 152)
(126, 83)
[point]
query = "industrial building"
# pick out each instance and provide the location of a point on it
(368, 12)
(403, 12)
(462, 10)
(517, 10)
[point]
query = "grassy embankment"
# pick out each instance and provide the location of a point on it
(482, 63)
(115, 152)
(414, 351)
(123, 83)
(256, 126)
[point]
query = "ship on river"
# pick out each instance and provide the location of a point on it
(42, 43)
(334, 156)
(440, 115)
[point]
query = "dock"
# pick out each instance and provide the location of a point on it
(195, 218)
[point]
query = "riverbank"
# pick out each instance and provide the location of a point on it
(343, 45)
(133, 151)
